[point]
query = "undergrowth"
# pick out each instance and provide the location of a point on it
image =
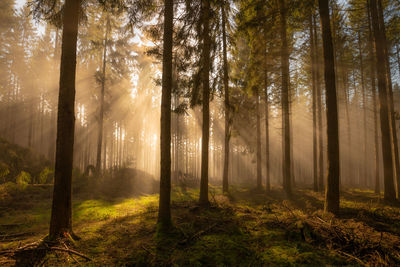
(243, 228)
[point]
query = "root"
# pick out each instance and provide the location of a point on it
(35, 253)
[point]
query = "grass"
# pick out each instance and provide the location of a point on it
(244, 228)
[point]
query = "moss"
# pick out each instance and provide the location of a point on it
(248, 231)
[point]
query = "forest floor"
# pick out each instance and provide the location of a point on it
(244, 228)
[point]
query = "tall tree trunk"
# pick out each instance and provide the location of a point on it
(205, 6)
(390, 193)
(52, 139)
(258, 126)
(314, 106)
(164, 213)
(365, 164)
(319, 110)
(267, 165)
(286, 158)
(332, 187)
(61, 213)
(177, 138)
(225, 184)
(349, 171)
(373, 89)
(390, 96)
(103, 83)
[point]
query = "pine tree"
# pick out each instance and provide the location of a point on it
(332, 187)
(286, 157)
(225, 183)
(164, 215)
(388, 170)
(61, 213)
(205, 18)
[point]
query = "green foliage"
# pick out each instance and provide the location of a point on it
(4, 171)
(239, 231)
(23, 179)
(45, 176)
(15, 159)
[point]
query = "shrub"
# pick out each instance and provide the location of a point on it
(4, 171)
(45, 176)
(23, 179)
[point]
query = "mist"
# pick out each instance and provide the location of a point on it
(193, 133)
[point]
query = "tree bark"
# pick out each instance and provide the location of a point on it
(258, 126)
(390, 96)
(164, 212)
(374, 103)
(267, 164)
(319, 114)
(61, 213)
(205, 10)
(286, 157)
(103, 83)
(363, 172)
(225, 184)
(390, 194)
(332, 187)
(314, 106)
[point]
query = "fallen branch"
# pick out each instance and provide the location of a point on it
(71, 251)
(352, 257)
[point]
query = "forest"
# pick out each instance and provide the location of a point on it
(199, 133)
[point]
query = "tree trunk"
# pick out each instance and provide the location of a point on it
(61, 213)
(225, 184)
(319, 110)
(164, 213)
(314, 106)
(332, 187)
(390, 193)
(286, 158)
(267, 165)
(363, 173)
(390, 96)
(205, 6)
(52, 139)
(373, 89)
(259, 178)
(103, 82)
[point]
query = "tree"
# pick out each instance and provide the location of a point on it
(205, 11)
(390, 95)
(332, 187)
(267, 163)
(164, 213)
(373, 90)
(286, 156)
(103, 82)
(319, 112)
(258, 129)
(314, 105)
(61, 212)
(388, 171)
(225, 184)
